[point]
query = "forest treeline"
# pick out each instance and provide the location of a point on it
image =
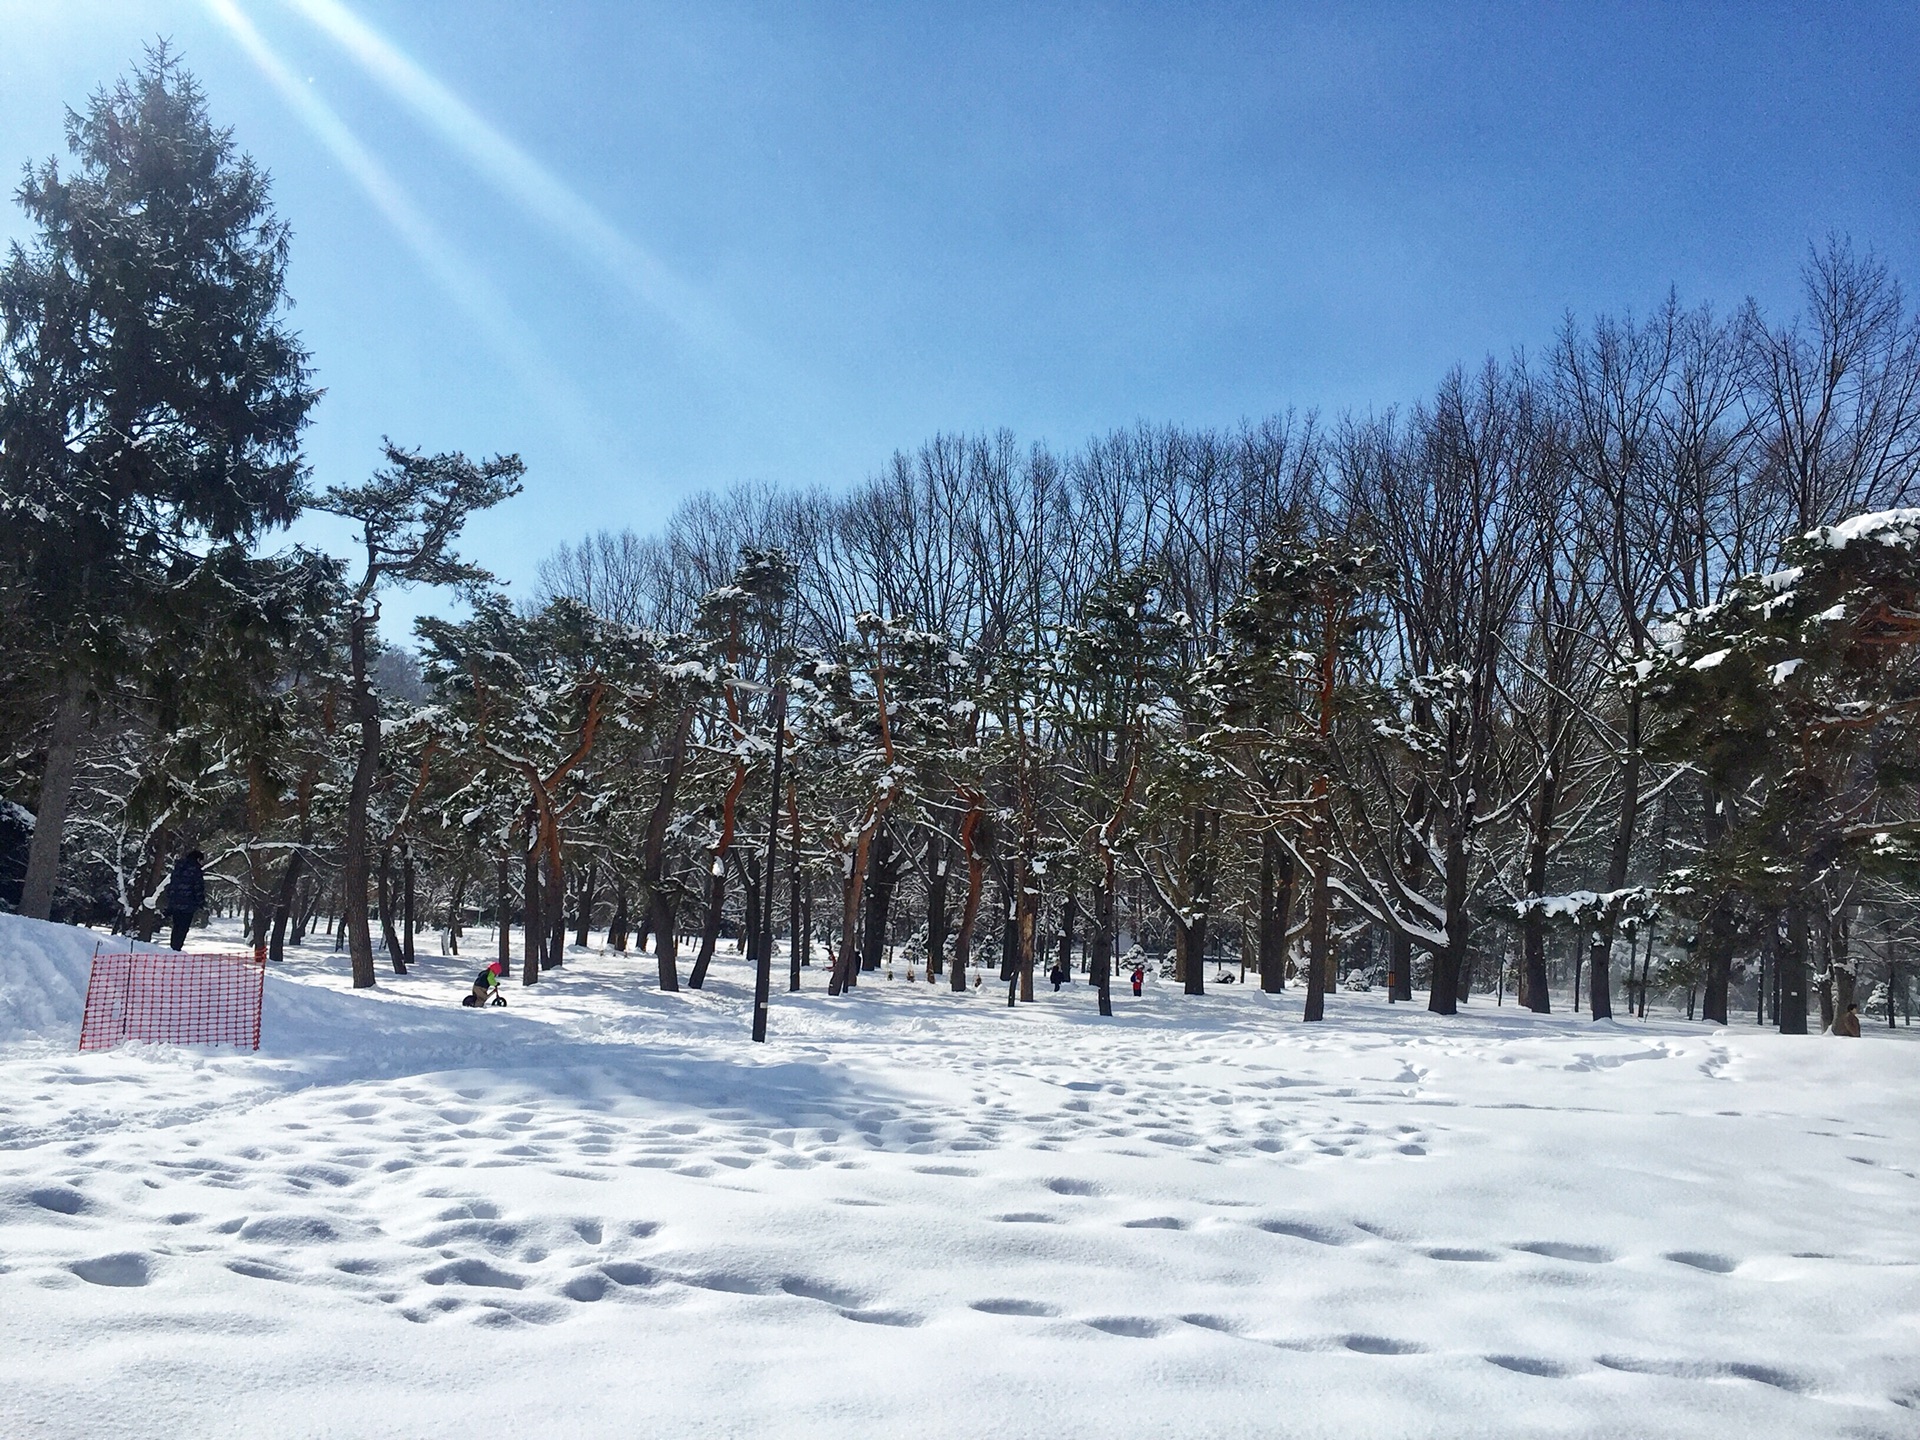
(1598, 666)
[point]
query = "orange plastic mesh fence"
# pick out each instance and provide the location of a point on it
(173, 999)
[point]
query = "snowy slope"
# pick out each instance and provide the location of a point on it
(602, 1212)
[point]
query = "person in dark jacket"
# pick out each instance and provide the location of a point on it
(186, 892)
(1849, 1023)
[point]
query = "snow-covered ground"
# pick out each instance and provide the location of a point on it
(601, 1211)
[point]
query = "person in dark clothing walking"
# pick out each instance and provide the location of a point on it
(186, 892)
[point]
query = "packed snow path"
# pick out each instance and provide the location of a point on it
(601, 1211)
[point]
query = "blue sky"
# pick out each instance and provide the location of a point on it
(658, 248)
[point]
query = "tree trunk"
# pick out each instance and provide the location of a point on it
(660, 905)
(1790, 1010)
(587, 889)
(533, 937)
(970, 907)
(1533, 929)
(354, 861)
(395, 952)
(553, 910)
(1193, 937)
(881, 873)
(936, 904)
(1443, 996)
(457, 908)
(660, 919)
(1276, 899)
(710, 924)
(1600, 962)
(1025, 904)
(503, 911)
(1841, 965)
(796, 927)
(1100, 942)
(1399, 968)
(1190, 953)
(1319, 934)
(284, 904)
(56, 786)
(763, 947)
(406, 899)
(1067, 918)
(617, 925)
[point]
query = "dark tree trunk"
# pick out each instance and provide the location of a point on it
(1276, 899)
(533, 945)
(284, 904)
(936, 904)
(660, 905)
(56, 786)
(1533, 929)
(763, 938)
(1399, 968)
(1443, 996)
(1100, 942)
(503, 911)
(1790, 966)
(1319, 938)
(457, 907)
(747, 863)
(710, 924)
(395, 952)
(1600, 962)
(660, 920)
(354, 861)
(970, 907)
(1190, 941)
(617, 925)
(796, 929)
(1067, 918)
(1025, 904)
(406, 900)
(1192, 938)
(553, 910)
(881, 874)
(588, 887)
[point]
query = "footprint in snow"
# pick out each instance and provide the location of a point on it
(1136, 1327)
(1703, 1260)
(60, 1199)
(126, 1270)
(1014, 1307)
(1532, 1365)
(1305, 1230)
(1559, 1250)
(1382, 1345)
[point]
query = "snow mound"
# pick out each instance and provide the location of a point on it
(43, 978)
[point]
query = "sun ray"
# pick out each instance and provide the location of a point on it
(463, 283)
(519, 176)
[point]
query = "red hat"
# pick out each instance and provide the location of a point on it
(499, 967)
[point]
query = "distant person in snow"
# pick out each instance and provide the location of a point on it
(186, 892)
(1058, 975)
(486, 986)
(1849, 1023)
(1139, 977)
